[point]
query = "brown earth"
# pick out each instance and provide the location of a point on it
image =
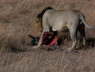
(18, 20)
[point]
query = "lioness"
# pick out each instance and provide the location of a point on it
(58, 19)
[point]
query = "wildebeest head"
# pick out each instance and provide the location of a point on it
(40, 15)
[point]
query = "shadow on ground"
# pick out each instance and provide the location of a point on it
(91, 41)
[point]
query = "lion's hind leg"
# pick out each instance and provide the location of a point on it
(73, 38)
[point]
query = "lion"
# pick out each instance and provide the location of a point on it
(57, 20)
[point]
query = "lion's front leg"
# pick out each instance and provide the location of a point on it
(39, 42)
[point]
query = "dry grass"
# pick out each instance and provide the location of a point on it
(18, 20)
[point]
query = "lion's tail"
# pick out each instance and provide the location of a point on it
(84, 22)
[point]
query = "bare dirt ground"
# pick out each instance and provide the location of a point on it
(18, 20)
